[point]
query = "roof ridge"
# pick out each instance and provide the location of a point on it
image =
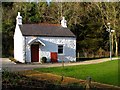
(45, 24)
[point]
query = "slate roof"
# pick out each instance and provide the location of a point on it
(54, 30)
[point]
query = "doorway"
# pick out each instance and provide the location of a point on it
(54, 57)
(35, 53)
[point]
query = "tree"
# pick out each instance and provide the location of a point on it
(86, 20)
(110, 12)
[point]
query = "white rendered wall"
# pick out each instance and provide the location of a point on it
(19, 45)
(51, 45)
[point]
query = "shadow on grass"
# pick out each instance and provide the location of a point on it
(17, 81)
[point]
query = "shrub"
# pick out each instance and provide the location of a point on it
(14, 60)
(44, 59)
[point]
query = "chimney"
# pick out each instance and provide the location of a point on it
(63, 22)
(19, 19)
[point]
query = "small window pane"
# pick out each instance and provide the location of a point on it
(60, 49)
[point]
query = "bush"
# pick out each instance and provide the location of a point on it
(44, 59)
(14, 60)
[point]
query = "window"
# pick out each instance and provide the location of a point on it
(60, 49)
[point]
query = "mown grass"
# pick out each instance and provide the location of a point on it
(106, 72)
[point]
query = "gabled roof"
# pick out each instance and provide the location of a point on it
(54, 30)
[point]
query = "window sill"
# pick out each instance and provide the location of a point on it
(60, 54)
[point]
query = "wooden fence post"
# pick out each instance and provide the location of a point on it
(63, 68)
(88, 83)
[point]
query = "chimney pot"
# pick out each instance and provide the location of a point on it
(63, 22)
(19, 19)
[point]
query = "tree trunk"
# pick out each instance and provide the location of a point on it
(85, 53)
(112, 43)
(116, 43)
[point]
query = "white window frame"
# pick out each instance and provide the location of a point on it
(63, 49)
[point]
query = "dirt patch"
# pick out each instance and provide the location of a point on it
(52, 77)
(57, 79)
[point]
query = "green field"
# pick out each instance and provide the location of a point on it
(106, 72)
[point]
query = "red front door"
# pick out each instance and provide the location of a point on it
(54, 57)
(35, 53)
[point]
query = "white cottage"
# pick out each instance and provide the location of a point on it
(34, 41)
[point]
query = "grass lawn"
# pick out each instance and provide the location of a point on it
(106, 72)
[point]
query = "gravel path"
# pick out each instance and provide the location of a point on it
(11, 66)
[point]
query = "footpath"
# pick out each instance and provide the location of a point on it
(7, 64)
